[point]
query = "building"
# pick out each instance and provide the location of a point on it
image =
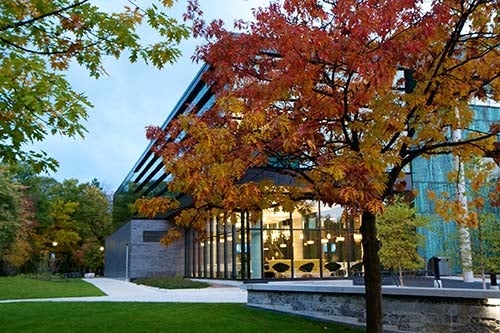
(432, 174)
(323, 243)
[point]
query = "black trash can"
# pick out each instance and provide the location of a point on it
(441, 264)
(433, 266)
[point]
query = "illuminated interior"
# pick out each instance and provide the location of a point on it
(315, 242)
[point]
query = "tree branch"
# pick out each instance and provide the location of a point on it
(8, 42)
(41, 17)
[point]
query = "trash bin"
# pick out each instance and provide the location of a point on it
(439, 266)
(433, 266)
(444, 266)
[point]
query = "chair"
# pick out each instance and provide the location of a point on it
(332, 267)
(357, 269)
(307, 268)
(269, 274)
(281, 268)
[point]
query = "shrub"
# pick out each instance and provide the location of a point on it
(171, 283)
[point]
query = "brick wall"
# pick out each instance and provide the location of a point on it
(145, 259)
(149, 259)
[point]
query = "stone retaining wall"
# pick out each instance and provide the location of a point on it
(405, 309)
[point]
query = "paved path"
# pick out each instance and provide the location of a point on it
(121, 291)
(222, 291)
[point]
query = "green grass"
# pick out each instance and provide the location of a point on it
(153, 317)
(171, 283)
(22, 287)
(134, 317)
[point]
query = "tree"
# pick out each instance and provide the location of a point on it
(20, 250)
(76, 216)
(17, 224)
(10, 211)
(307, 90)
(123, 205)
(10, 200)
(397, 230)
(79, 219)
(482, 179)
(39, 40)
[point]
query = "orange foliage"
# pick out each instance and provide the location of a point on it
(479, 188)
(151, 207)
(307, 92)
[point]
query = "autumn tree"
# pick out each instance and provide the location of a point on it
(39, 40)
(79, 219)
(21, 249)
(310, 90)
(10, 207)
(75, 215)
(92, 219)
(397, 230)
(481, 179)
(10, 212)
(17, 223)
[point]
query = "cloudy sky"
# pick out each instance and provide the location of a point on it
(132, 97)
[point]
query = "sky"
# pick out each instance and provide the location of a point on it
(130, 98)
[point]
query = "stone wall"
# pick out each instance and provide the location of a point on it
(148, 259)
(145, 258)
(405, 309)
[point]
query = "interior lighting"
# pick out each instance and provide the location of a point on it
(286, 234)
(357, 238)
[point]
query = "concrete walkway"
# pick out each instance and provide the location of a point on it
(122, 291)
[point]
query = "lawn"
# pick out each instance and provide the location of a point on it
(133, 317)
(22, 287)
(152, 317)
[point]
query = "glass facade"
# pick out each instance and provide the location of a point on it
(432, 175)
(317, 242)
(148, 178)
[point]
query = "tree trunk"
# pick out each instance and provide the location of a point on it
(371, 263)
(401, 282)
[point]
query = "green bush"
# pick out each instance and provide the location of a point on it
(171, 283)
(45, 277)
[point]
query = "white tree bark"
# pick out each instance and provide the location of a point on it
(465, 243)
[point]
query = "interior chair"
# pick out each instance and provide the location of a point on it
(357, 269)
(269, 274)
(333, 268)
(307, 268)
(281, 268)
